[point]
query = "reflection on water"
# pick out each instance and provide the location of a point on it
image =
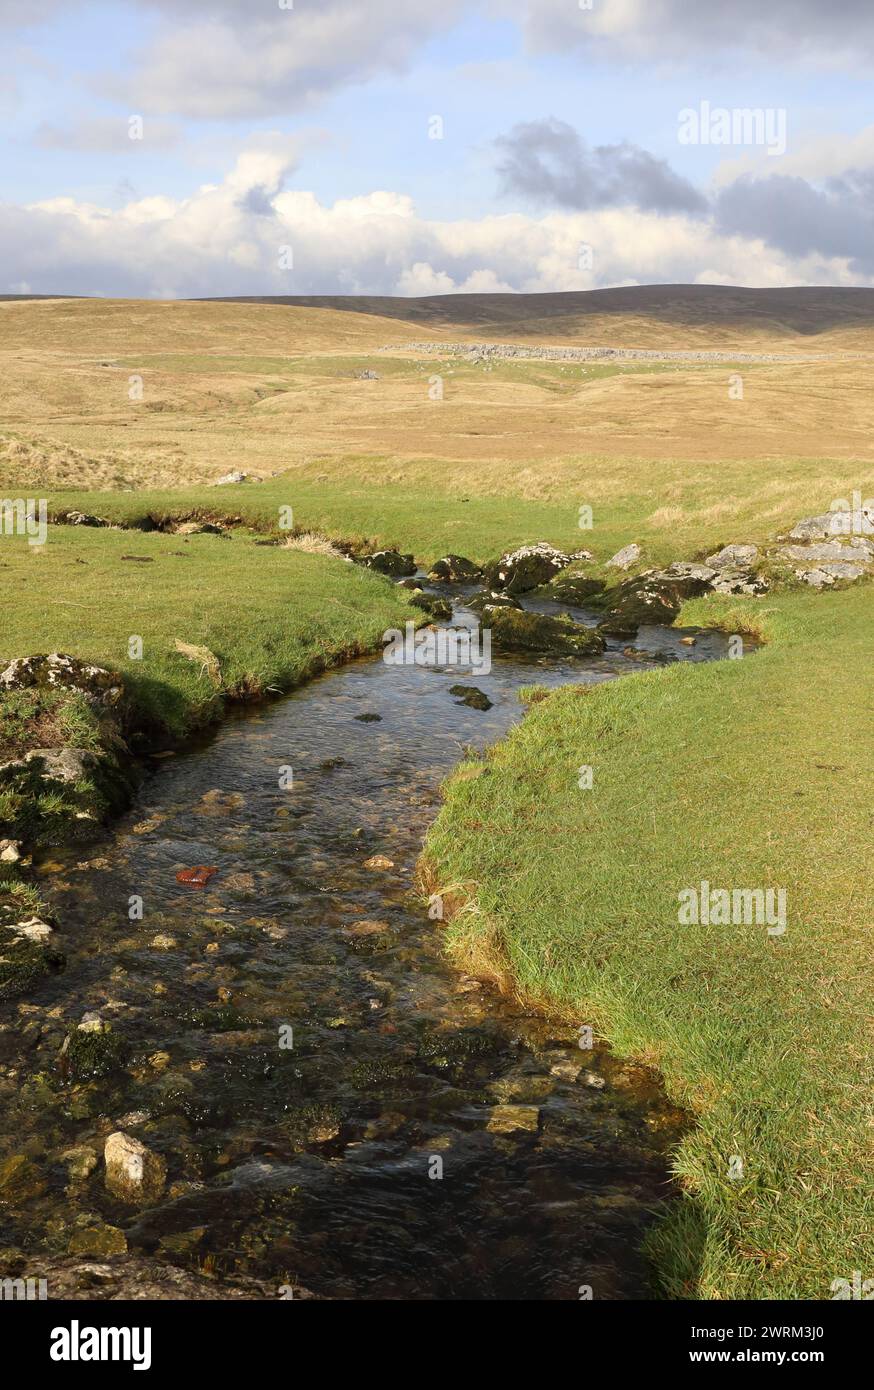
(320, 1163)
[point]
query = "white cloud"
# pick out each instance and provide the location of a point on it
(671, 31)
(243, 59)
(228, 238)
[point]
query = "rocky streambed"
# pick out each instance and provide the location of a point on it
(276, 1082)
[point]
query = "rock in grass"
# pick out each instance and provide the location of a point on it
(517, 631)
(470, 695)
(734, 557)
(133, 1173)
(59, 671)
(509, 1119)
(625, 558)
(389, 562)
(68, 765)
(454, 569)
(734, 581)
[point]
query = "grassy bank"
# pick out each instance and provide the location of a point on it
(431, 508)
(251, 619)
(748, 773)
(270, 616)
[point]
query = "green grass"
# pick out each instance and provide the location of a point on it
(361, 501)
(747, 773)
(271, 616)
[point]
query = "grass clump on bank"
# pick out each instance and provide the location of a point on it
(753, 773)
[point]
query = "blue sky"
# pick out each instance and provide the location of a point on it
(329, 102)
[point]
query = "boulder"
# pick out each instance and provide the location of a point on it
(58, 671)
(637, 602)
(830, 525)
(739, 581)
(488, 599)
(625, 558)
(440, 609)
(454, 569)
(389, 562)
(574, 589)
(856, 552)
(519, 571)
(133, 1173)
(734, 557)
(230, 478)
(66, 765)
(516, 631)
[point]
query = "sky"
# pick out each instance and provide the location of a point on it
(175, 148)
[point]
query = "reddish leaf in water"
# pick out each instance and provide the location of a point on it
(198, 877)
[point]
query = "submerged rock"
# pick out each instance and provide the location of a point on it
(508, 1119)
(518, 631)
(454, 569)
(133, 1173)
(470, 695)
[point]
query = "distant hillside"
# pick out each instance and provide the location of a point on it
(730, 312)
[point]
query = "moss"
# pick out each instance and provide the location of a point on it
(89, 1055)
(23, 964)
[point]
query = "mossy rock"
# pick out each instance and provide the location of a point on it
(440, 609)
(454, 569)
(575, 589)
(20, 1181)
(488, 599)
(638, 602)
(90, 1054)
(23, 964)
(514, 631)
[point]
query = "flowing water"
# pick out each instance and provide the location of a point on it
(319, 1163)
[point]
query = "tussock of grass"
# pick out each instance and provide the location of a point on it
(745, 773)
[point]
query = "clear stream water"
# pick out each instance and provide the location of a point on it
(313, 1164)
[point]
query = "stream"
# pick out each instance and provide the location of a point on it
(359, 1162)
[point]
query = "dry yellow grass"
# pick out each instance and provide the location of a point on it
(270, 388)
